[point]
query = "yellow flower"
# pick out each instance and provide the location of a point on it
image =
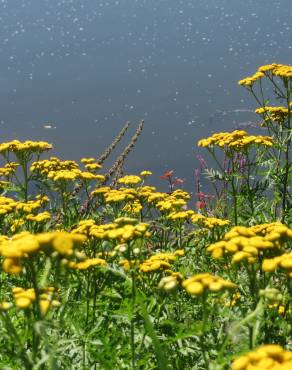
(130, 180)
(197, 284)
(145, 173)
(236, 140)
(271, 356)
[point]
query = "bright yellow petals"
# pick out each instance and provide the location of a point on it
(26, 147)
(160, 261)
(209, 222)
(249, 81)
(90, 262)
(180, 215)
(122, 230)
(25, 244)
(145, 173)
(284, 262)
(236, 140)
(12, 266)
(130, 180)
(25, 298)
(41, 217)
(271, 356)
(245, 243)
(198, 284)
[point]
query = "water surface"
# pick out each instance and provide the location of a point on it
(83, 68)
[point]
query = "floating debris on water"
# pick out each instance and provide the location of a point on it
(49, 126)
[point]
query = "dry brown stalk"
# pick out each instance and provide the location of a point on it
(121, 158)
(114, 143)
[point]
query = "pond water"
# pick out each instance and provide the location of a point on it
(72, 72)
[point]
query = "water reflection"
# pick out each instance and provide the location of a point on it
(85, 67)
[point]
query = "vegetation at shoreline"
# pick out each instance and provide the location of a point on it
(123, 276)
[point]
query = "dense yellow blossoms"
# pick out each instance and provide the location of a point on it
(129, 180)
(198, 284)
(8, 205)
(249, 81)
(8, 169)
(24, 244)
(58, 170)
(53, 164)
(270, 70)
(123, 229)
(180, 215)
(209, 222)
(18, 148)
(268, 357)
(248, 242)
(40, 217)
(119, 195)
(284, 261)
(160, 261)
(74, 174)
(133, 207)
(237, 140)
(24, 298)
(84, 265)
(145, 173)
(274, 114)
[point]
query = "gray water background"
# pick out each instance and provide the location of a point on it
(85, 67)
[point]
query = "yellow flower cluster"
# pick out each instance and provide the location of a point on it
(40, 217)
(8, 169)
(141, 195)
(84, 227)
(134, 207)
(209, 222)
(122, 230)
(248, 242)
(7, 205)
(284, 261)
(74, 174)
(24, 244)
(271, 356)
(180, 215)
(275, 114)
(100, 191)
(24, 298)
(283, 71)
(249, 81)
(129, 180)
(53, 164)
(237, 140)
(92, 167)
(17, 147)
(31, 205)
(268, 67)
(171, 202)
(126, 264)
(144, 192)
(198, 284)
(145, 173)
(160, 261)
(280, 70)
(119, 195)
(84, 265)
(90, 164)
